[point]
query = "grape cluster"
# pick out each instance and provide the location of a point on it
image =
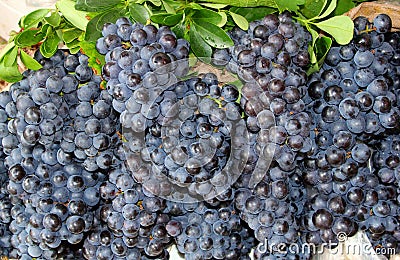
(350, 173)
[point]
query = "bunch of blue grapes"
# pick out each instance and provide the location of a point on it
(350, 173)
(58, 137)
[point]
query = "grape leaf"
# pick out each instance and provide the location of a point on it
(167, 7)
(199, 47)
(11, 57)
(95, 5)
(96, 60)
(32, 19)
(29, 62)
(28, 38)
(312, 8)
(10, 74)
(139, 13)
(75, 17)
(173, 19)
(252, 13)
(49, 46)
(240, 21)
(207, 15)
(322, 46)
(287, 5)
(54, 19)
(331, 7)
(339, 27)
(343, 6)
(70, 34)
(5, 50)
(213, 35)
(159, 18)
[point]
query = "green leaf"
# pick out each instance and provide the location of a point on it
(287, 5)
(11, 57)
(29, 62)
(343, 6)
(253, 13)
(156, 2)
(179, 30)
(340, 27)
(213, 35)
(75, 50)
(173, 19)
(312, 8)
(328, 10)
(205, 15)
(159, 18)
(75, 43)
(224, 18)
(5, 50)
(199, 47)
(322, 46)
(54, 19)
(75, 17)
(96, 60)
(95, 5)
(28, 38)
(139, 13)
(33, 18)
(49, 46)
(10, 74)
(167, 7)
(68, 35)
(240, 21)
(214, 6)
(45, 28)
(95, 25)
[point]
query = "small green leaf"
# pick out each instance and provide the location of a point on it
(68, 35)
(28, 38)
(95, 5)
(199, 47)
(213, 35)
(5, 50)
(340, 27)
(205, 15)
(287, 5)
(96, 60)
(29, 62)
(253, 13)
(322, 46)
(167, 7)
(343, 6)
(194, 6)
(159, 18)
(247, 3)
(54, 19)
(74, 50)
(312, 8)
(214, 6)
(11, 57)
(328, 10)
(139, 13)
(45, 28)
(173, 19)
(156, 2)
(49, 46)
(224, 18)
(10, 74)
(73, 44)
(75, 17)
(33, 18)
(240, 21)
